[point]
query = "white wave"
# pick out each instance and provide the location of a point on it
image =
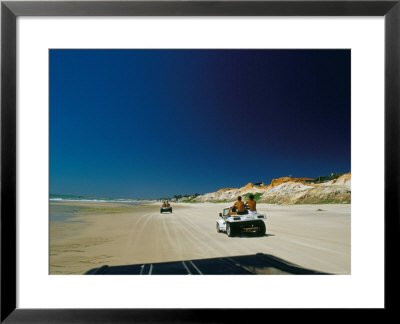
(98, 200)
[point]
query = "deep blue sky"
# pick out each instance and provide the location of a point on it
(154, 123)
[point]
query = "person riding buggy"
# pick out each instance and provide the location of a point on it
(166, 207)
(241, 208)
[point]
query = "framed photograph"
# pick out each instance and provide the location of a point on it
(186, 160)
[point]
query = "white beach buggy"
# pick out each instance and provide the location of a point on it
(234, 224)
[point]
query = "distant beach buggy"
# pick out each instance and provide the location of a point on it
(166, 207)
(234, 224)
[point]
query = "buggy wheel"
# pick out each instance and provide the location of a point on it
(262, 230)
(218, 230)
(230, 230)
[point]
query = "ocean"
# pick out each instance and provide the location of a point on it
(58, 211)
(55, 198)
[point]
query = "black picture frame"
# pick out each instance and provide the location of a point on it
(10, 10)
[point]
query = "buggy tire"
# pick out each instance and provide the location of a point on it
(262, 230)
(218, 230)
(230, 230)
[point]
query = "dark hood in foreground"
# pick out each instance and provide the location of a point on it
(247, 265)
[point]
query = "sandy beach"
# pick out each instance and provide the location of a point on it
(316, 237)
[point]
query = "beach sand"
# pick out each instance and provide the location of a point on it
(316, 237)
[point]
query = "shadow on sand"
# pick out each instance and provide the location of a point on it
(246, 264)
(255, 235)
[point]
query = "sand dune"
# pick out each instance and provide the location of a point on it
(288, 190)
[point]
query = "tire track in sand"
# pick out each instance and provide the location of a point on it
(227, 246)
(137, 230)
(195, 241)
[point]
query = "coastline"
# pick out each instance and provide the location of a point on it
(316, 236)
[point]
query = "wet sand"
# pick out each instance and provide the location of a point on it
(316, 237)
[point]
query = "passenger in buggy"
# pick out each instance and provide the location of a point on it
(239, 207)
(251, 205)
